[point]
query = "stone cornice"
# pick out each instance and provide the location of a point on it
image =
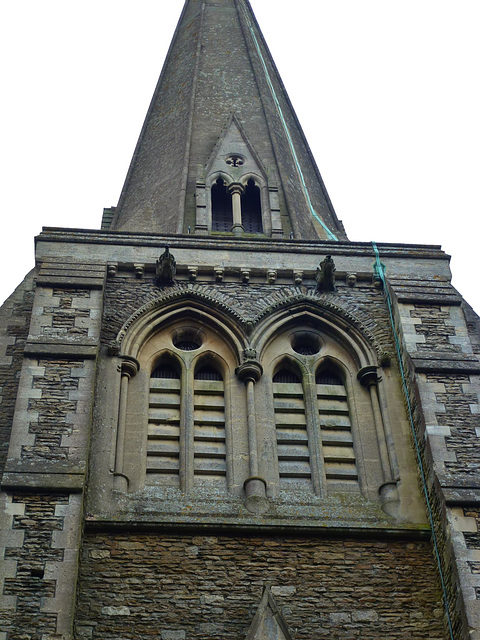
(317, 247)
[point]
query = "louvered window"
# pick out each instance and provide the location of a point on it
(210, 464)
(163, 440)
(222, 214)
(336, 432)
(291, 430)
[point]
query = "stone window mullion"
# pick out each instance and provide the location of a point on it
(187, 446)
(319, 479)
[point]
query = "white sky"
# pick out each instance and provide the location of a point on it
(387, 92)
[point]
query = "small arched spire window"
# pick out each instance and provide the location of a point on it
(222, 213)
(252, 208)
(210, 452)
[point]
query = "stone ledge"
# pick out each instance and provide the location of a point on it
(70, 282)
(462, 495)
(44, 467)
(445, 363)
(54, 348)
(259, 526)
(46, 481)
(334, 247)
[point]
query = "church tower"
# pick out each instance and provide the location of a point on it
(220, 417)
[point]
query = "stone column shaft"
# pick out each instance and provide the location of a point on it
(237, 190)
(129, 368)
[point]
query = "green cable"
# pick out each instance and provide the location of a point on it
(330, 234)
(381, 271)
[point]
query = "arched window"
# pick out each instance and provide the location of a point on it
(210, 454)
(222, 215)
(294, 465)
(163, 438)
(336, 431)
(252, 208)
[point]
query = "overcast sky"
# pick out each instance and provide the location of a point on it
(387, 92)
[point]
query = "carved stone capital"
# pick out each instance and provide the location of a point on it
(249, 370)
(236, 187)
(368, 376)
(129, 367)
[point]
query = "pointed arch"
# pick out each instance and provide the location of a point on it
(302, 311)
(170, 309)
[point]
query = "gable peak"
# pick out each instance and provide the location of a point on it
(269, 622)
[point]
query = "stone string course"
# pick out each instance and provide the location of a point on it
(140, 586)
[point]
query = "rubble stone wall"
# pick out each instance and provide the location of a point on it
(147, 585)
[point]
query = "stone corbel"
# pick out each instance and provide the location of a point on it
(245, 276)
(298, 277)
(192, 273)
(271, 276)
(112, 268)
(139, 270)
(351, 279)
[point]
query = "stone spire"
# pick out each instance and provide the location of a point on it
(220, 111)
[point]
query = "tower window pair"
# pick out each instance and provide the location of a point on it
(323, 435)
(183, 425)
(236, 206)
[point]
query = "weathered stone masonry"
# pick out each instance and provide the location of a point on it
(151, 584)
(41, 502)
(439, 355)
(14, 325)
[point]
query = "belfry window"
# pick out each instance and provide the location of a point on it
(311, 386)
(236, 207)
(210, 460)
(163, 438)
(252, 209)
(222, 215)
(336, 431)
(291, 430)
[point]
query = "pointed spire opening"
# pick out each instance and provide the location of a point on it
(252, 208)
(222, 214)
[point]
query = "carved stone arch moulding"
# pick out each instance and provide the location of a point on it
(176, 304)
(333, 319)
(244, 328)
